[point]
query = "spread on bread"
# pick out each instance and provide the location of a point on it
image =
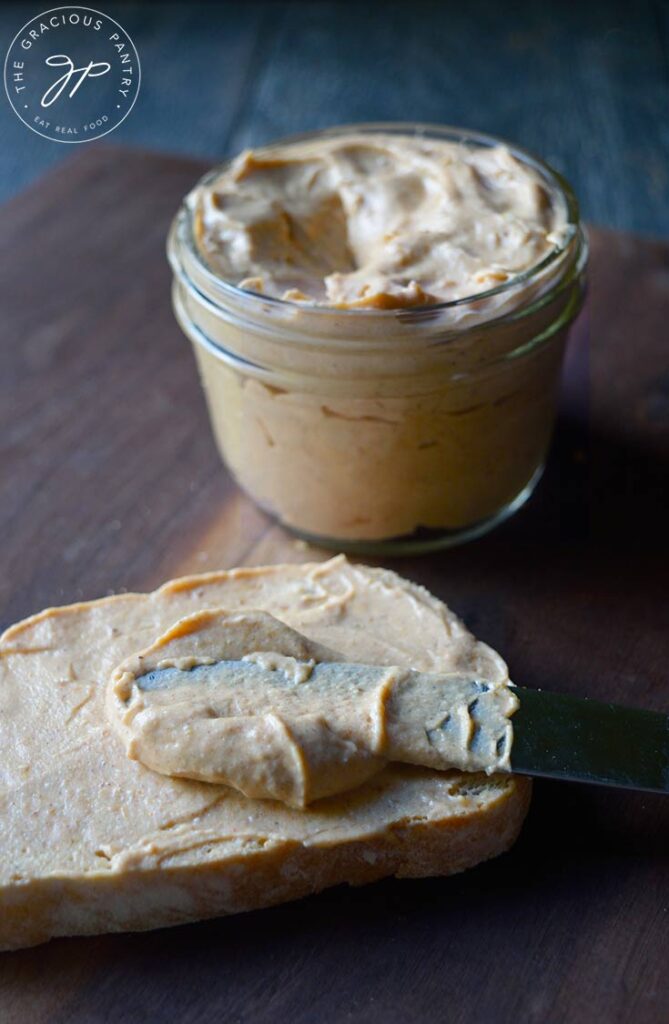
(241, 699)
(94, 841)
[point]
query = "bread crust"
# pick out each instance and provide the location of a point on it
(248, 877)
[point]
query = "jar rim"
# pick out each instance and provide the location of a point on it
(465, 136)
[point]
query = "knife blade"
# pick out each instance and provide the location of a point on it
(554, 735)
(583, 740)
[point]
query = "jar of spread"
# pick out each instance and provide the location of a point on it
(379, 316)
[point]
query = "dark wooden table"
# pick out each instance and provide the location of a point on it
(110, 481)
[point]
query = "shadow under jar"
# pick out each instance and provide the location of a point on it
(385, 431)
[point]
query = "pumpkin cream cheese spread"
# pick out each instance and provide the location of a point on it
(95, 840)
(379, 221)
(345, 410)
(244, 700)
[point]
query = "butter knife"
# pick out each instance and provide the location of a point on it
(583, 740)
(554, 735)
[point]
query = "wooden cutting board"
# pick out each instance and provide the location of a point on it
(110, 481)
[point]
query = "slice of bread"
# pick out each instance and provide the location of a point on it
(92, 841)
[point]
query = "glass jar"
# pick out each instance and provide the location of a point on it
(385, 431)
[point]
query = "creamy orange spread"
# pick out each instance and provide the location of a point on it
(243, 700)
(345, 412)
(385, 221)
(94, 840)
(71, 800)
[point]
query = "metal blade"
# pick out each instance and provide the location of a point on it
(585, 740)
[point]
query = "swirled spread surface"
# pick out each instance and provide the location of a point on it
(381, 221)
(243, 700)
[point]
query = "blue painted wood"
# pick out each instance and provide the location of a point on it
(585, 85)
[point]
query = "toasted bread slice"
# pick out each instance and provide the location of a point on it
(93, 842)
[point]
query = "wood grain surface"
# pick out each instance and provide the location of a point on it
(584, 84)
(110, 481)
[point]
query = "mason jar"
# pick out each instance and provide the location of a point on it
(385, 431)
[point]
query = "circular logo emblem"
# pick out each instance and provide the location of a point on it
(72, 74)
